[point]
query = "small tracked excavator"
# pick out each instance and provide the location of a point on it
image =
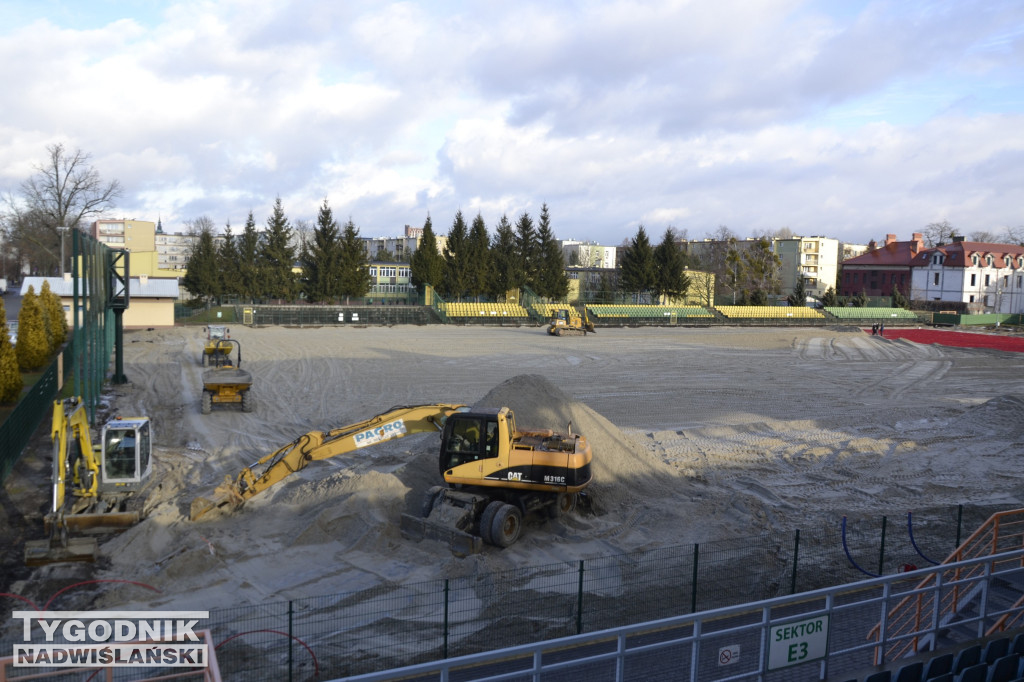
(494, 473)
(565, 322)
(93, 484)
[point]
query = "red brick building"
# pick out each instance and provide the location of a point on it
(882, 269)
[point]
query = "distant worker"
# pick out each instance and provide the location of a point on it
(881, 329)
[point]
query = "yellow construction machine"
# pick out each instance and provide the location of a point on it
(217, 347)
(567, 322)
(226, 383)
(92, 485)
(495, 473)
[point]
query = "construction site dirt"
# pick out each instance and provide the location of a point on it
(697, 435)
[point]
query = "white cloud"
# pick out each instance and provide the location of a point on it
(828, 118)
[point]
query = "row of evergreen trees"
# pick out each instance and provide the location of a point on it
(42, 329)
(334, 264)
(475, 265)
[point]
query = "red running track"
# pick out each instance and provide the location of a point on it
(957, 339)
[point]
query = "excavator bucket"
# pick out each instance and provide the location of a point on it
(60, 548)
(225, 495)
(449, 518)
(460, 542)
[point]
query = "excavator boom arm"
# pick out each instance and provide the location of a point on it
(319, 445)
(71, 423)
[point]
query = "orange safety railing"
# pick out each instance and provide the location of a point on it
(211, 673)
(1002, 532)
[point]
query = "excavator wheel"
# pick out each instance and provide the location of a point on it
(487, 520)
(565, 503)
(429, 499)
(248, 401)
(207, 402)
(507, 525)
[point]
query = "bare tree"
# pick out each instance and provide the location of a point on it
(1015, 235)
(66, 191)
(938, 233)
(985, 236)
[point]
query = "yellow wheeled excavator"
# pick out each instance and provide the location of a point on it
(495, 473)
(91, 484)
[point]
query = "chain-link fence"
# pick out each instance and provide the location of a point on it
(391, 625)
(83, 362)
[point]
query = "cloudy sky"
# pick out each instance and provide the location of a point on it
(843, 118)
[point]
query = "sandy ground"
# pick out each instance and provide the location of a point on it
(698, 434)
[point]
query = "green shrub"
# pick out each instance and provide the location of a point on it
(33, 348)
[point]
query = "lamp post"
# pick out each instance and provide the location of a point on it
(62, 230)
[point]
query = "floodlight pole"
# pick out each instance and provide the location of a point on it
(62, 230)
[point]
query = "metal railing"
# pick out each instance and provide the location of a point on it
(1003, 532)
(813, 635)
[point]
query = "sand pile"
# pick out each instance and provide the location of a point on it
(624, 472)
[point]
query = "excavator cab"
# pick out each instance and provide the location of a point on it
(468, 438)
(127, 450)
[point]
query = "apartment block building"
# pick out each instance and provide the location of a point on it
(588, 254)
(813, 259)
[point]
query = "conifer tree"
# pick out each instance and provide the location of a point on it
(32, 348)
(355, 271)
(203, 276)
(799, 295)
(507, 271)
(277, 257)
(670, 261)
(479, 257)
(426, 267)
(456, 281)
(248, 260)
(527, 249)
(321, 259)
(829, 298)
(53, 317)
(11, 382)
(227, 259)
(637, 271)
(551, 281)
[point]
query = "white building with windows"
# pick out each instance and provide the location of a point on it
(989, 278)
(815, 260)
(588, 254)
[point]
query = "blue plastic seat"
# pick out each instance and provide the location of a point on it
(911, 672)
(1004, 669)
(1018, 644)
(973, 673)
(995, 649)
(880, 676)
(965, 658)
(940, 665)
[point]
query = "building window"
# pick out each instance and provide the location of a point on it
(974, 280)
(971, 299)
(373, 272)
(987, 277)
(936, 282)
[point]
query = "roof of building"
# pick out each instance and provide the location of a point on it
(891, 254)
(138, 287)
(960, 253)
